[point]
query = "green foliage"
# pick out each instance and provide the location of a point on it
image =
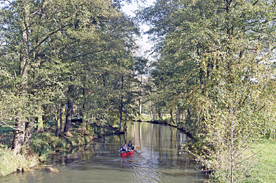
(4, 130)
(59, 51)
(143, 117)
(48, 142)
(42, 143)
(215, 63)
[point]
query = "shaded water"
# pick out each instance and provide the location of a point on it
(160, 159)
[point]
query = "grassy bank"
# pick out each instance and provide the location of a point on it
(42, 145)
(10, 163)
(265, 170)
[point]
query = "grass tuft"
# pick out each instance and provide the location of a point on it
(265, 170)
(10, 163)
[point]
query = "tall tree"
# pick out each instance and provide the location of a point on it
(35, 36)
(215, 59)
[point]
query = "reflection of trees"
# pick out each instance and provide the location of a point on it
(160, 143)
(140, 136)
(120, 141)
(133, 133)
(163, 143)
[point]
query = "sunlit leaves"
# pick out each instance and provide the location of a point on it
(215, 57)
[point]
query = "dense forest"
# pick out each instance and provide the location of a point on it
(216, 64)
(66, 54)
(213, 74)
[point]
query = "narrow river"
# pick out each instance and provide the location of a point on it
(160, 160)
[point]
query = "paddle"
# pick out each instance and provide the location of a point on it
(137, 147)
(136, 151)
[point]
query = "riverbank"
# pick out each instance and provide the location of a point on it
(158, 159)
(11, 163)
(45, 144)
(165, 121)
(48, 144)
(265, 169)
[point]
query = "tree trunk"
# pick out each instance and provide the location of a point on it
(39, 124)
(121, 112)
(58, 119)
(171, 113)
(125, 120)
(140, 106)
(179, 115)
(28, 134)
(159, 114)
(18, 139)
(63, 117)
(176, 115)
(69, 116)
(19, 131)
(69, 108)
(140, 98)
(188, 115)
(121, 105)
(83, 111)
(84, 121)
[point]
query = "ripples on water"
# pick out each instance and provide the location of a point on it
(160, 159)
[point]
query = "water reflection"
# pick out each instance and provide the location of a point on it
(159, 159)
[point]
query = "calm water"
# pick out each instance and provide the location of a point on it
(160, 160)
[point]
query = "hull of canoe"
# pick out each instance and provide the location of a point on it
(127, 153)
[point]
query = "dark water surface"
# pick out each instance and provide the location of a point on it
(160, 160)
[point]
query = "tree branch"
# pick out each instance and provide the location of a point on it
(43, 40)
(5, 124)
